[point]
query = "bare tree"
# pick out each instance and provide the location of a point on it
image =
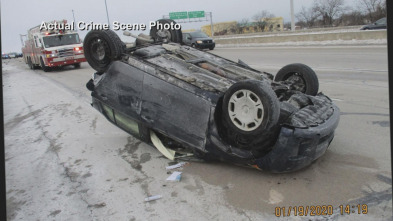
(329, 10)
(373, 9)
(287, 25)
(262, 19)
(351, 18)
(241, 25)
(307, 16)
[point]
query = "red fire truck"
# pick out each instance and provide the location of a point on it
(47, 48)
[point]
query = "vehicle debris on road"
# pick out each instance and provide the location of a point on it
(181, 164)
(151, 198)
(175, 176)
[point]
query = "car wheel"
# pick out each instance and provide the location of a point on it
(250, 108)
(101, 48)
(166, 35)
(193, 45)
(43, 67)
(211, 48)
(77, 65)
(300, 76)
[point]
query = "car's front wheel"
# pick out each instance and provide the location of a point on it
(250, 108)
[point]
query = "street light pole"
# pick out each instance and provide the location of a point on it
(292, 17)
(211, 24)
(73, 15)
(107, 15)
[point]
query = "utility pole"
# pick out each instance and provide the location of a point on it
(292, 17)
(211, 23)
(73, 15)
(107, 15)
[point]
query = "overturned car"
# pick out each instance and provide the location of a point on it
(191, 103)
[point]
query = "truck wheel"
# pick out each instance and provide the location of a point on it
(29, 63)
(250, 108)
(43, 67)
(166, 35)
(77, 65)
(101, 48)
(300, 76)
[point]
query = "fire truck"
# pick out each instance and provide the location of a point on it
(55, 47)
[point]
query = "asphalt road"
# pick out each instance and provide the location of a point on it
(64, 161)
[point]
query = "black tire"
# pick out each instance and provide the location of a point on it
(267, 109)
(211, 48)
(30, 63)
(77, 65)
(302, 77)
(101, 48)
(43, 67)
(193, 45)
(175, 35)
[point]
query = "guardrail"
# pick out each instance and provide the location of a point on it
(310, 36)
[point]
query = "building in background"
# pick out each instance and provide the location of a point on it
(229, 28)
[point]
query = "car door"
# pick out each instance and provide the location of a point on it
(174, 111)
(121, 88)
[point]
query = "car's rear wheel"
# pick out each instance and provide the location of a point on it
(250, 108)
(166, 35)
(101, 48)
(300, 76)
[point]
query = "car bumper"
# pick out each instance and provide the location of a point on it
(296, 148)
(66, 62)
(206, 45)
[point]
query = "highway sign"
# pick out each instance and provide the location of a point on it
(196, 14)
(178, 15)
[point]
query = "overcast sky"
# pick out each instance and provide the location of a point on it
(17, 16)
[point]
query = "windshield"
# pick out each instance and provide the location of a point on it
(381, 21)
(199, 35)
(58, 40)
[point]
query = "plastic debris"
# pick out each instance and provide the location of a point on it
(175, 176)
(168, 153)
(176, 166)
(151, 198)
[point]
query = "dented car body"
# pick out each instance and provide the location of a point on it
(202, 105)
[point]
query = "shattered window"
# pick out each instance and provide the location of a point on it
(108, 112)
(127, 123)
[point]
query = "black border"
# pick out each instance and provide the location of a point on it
(3, 207)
